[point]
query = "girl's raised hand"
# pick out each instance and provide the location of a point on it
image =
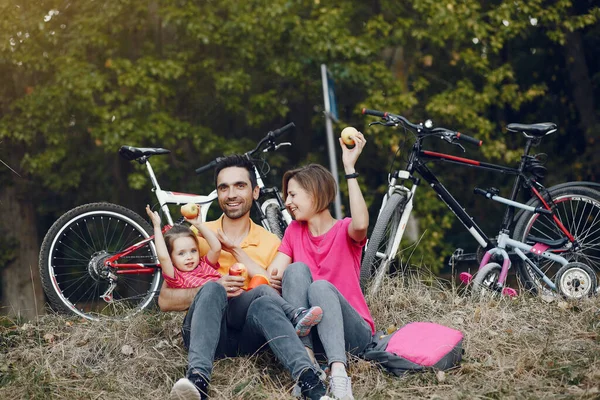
(195, 221)
(154, 217)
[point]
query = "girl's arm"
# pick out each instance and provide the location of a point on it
(358, 208)
(214, 244)
(161, 247)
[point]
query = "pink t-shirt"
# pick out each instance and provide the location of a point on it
(197, 277)
(334, 257)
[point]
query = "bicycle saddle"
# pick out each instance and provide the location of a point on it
(533, 130)
(133, 153)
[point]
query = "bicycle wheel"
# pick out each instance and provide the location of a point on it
(72, 256)
(277, 224)
(485, 280)
(381, 252)
(578, 209)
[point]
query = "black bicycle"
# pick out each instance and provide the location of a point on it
(570, 225)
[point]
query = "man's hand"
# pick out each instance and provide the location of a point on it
(226, 243)
(232, 284)
(275, 280)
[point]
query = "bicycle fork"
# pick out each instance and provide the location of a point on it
(410, 194)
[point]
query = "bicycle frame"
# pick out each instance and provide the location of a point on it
(175, 198)
(416, 164)
(166, 198)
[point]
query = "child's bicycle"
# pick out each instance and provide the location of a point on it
(573, 280)
(574, 210)
(99, 260)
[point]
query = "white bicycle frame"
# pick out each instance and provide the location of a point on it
(265, 204)
(165, 197)
(176, 198)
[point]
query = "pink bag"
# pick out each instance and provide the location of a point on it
(415, 347)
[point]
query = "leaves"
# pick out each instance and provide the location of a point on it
(209, 79)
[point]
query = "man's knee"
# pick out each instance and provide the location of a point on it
(296, 269)
(264, 290)
(264, 308)
(211, 291)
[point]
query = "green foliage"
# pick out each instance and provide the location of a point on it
(210, 78)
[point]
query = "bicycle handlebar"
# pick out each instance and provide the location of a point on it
(447, 134)
(208, 166)
(282, 130)
(469, 139)
(270, 137)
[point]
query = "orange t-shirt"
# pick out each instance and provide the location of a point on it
(260, 245)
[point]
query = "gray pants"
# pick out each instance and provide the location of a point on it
(208, 335)
(341, 329)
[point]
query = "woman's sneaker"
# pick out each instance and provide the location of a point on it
(195, 387)
(305, 319)
(340, 387)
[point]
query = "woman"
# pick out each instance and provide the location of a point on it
(325, 262)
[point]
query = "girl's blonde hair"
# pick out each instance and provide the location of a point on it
(316, 180)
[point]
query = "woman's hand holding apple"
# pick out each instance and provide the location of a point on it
(348, 134)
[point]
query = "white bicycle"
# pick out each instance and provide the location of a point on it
(99, 261)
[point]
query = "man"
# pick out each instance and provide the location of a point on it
(222, 319)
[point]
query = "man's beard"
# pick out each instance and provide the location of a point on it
(235, 214)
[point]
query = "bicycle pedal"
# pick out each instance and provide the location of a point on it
(510, 292)
(465, 277)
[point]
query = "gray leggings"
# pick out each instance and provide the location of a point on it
(341, 329)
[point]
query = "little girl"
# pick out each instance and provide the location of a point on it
(179, 256)
(183, 268)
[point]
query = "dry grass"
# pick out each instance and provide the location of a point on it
(520, 348)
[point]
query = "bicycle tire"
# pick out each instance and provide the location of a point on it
(277, 224)
(484, 280)
(575, 281)
(381, 241)
(578, 208)
(71, 268)
(586, 184)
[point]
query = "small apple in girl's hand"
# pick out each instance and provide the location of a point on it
(347, 135)
(190, 210)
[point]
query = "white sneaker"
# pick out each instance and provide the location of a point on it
(340, 387)
(184, 389)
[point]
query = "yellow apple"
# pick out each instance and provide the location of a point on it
(347, 135)
(190, 210)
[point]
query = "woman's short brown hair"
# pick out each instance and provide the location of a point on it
(316, 180)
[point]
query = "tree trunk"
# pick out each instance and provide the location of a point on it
(583, 96)
(21, 293)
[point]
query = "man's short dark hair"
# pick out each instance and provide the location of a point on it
(239, 161)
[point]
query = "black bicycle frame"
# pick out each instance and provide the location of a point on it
(419, 158)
